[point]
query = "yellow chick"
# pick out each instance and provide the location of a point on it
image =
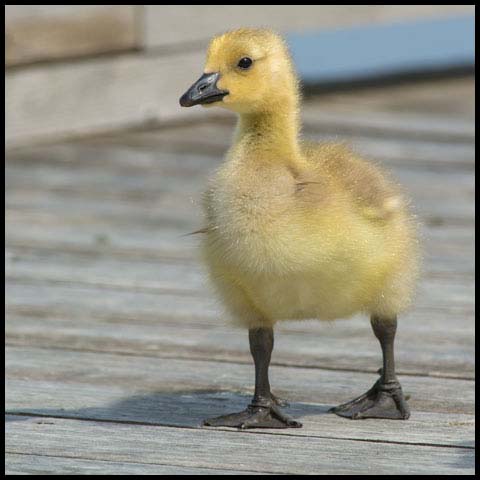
(296, 229)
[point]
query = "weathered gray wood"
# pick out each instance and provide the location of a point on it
(436, 293)
(202, 448)
(448, 251)
(109, 318)
(120, 170)
(137, 88)
(102, 270)
(443, 96)
(46, 32)
(28, 464)
(164, 298)
(145, 89)
(213, 137)
(433, 128)
(34, 207)
(163, 229)
(120, 403)
(186, 217)
(160, 236)
(445, 258)
(427, 200)
(434, 350)
(153, 153)
(171, 376)
(130, 191)
(138, 180)
(140, 88)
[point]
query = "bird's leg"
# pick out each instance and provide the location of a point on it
(261, 346)
(264, 411)
(385, 399)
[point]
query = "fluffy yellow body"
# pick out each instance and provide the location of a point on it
(280, 247)
(298, 230)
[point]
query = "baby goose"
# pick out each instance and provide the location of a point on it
(297, 230)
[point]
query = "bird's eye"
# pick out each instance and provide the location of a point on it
(245, 63)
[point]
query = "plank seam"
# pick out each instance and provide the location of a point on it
(183, 427)
(104, 286)
(132, 462)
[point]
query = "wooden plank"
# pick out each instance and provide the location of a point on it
(186, 409)
(180, 282)
(116, 92)
(172, 375)
(429, 189)
(148, 149)
(430, 200)
(427, 344)
(441, 96)
(130, 176)
(102, 227)
(102, 270)
(212, 138)
(447, 248)
(50, 32)
(427, 127)
(169, 152)
(73, 269)
(118, 338)
(436, 294)
(102, 232)
(80, 269)
(165, 24)
(135, 90)
(122, 222)
(30, 464)
(448, 258)
(202, 448)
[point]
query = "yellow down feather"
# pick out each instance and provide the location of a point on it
(297, 229)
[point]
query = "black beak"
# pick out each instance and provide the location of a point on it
(204, 90)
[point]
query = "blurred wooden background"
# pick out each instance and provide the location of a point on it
(89, 68)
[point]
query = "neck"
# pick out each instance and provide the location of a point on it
(273, 132)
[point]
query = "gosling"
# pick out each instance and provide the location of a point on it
(298, 230)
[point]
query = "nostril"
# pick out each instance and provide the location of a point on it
(202, 87)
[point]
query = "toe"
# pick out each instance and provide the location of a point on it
(283, 417)
(385, 406)
(231, 420)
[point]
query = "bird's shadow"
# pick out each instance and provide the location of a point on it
(180, 408)
(187, 408)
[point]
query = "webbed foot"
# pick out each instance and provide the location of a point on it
(383, 400)
(255, 416)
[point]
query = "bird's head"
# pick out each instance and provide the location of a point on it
(247, 71)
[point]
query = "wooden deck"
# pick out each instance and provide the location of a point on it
(115, 348)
